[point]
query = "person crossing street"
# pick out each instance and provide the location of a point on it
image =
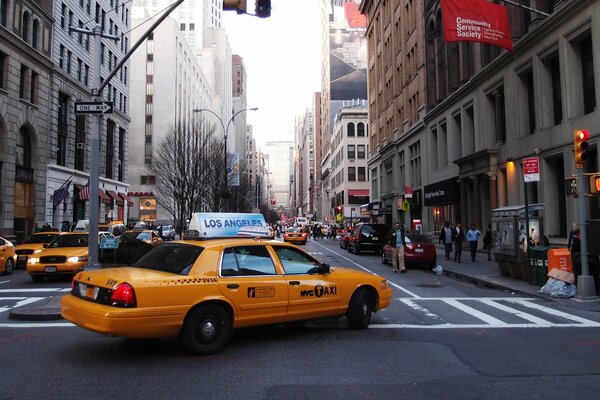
(397, 242)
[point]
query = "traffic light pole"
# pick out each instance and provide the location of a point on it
(585, 282)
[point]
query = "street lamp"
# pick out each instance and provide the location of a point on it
(225, 129)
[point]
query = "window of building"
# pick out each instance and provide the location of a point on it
(556, 90)
(25, 27)
(121, 165)
(351, 174)
(351, 129)
(110, 138)
(360, 129)
(23, 81)
(3, 69)
(587, 74)
(35, 28)
(361, 151)
(3, 11)
(351, 151)
(69, 61)
(415, 164)
(63, 128)
(79, 142)
(147, 180)
(362, 174)
(34, 87)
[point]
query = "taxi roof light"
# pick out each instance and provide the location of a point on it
(123, 296)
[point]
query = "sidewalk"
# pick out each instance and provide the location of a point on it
(487, 273)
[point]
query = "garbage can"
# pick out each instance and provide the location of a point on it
(538, 265)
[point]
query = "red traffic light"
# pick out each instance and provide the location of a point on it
(580, 147)
(582, 135)
(273, 201)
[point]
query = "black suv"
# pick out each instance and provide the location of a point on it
(368, 237)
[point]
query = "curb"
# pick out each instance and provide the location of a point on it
(46, 312)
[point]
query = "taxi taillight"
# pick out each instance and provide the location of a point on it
(123, 296)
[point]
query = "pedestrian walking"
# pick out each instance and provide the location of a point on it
(487, 241)
(397, 242)
(473, 237)
(459, 238)
(446, 235)
(574, 244)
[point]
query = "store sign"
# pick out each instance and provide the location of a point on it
(408, 191)
(440, 193)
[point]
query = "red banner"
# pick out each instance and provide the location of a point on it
(476, 21)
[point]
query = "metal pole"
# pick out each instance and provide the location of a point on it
(585, 282)
(527, 241)
(93, 262)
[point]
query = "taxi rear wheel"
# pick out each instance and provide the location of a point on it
(359, 309)
(206, 330)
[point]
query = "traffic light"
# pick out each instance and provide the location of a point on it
(581, 145)
(273, 201)
(571, 186)
(595, 184)
(338, 209)
(238, 5)
(263, 8)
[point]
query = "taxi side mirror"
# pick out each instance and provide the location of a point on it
(45, 245)
(325, 268)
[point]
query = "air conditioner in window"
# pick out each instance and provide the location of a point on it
(81, 146)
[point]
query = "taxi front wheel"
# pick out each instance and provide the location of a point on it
(206, 330)
(359, 309)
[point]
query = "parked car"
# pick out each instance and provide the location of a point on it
(8, 256)
(344, 238)
(368, 237)
(167, 232)
(419, 250)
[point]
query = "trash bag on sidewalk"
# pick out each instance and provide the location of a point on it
(556, 288)
(438, 270)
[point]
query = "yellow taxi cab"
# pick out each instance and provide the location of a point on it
(295, 234)
(34, 244)
(200, 290)
(65, 255)
(7, 256)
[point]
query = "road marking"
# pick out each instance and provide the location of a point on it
(4, 282)
(43, 290)
(414, 295)
(514, 311)
(488, 319)
(38, 325)
(416, 307)
(480, 326)
(552, 311)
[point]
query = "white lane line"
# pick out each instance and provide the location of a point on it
(476, 326)
(4, 282)
(514, 311)
(371, 272)
(488, 319)
(556, 312)
(22, 302)
(416, 307)
(39, 325)
(43, 290)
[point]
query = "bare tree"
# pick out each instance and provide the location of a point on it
(186, 166)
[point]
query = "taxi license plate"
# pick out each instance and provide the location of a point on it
(91, 292)
(21, 258)
(375, 238)
(419, 250)
(50, 269)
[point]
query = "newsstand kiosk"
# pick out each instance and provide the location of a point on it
(510, 238)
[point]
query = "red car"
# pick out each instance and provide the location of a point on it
(345, 239)
(418, 250)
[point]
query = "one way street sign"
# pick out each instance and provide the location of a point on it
(94, 107)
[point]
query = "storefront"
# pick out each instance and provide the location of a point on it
(442, 198)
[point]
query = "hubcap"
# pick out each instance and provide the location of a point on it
(208, 329)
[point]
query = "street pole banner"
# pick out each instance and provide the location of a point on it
(476, 21)
(233, 169)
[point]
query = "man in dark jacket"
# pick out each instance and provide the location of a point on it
(446, 237)
(397, 242)
(459, 238)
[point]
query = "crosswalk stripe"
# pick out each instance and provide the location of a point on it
(518, 313)
(474, 312)
(554, 312)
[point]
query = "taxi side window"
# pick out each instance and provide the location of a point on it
(247, 261)
(295, 262)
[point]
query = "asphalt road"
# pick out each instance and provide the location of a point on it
(440, 338)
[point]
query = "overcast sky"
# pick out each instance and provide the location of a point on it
(282, 56)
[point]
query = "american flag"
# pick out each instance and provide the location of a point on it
(84, 193)
(61, 193)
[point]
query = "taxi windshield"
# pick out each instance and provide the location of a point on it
(70, 241)
(175, 258)
(40, 238)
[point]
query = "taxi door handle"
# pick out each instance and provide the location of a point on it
(295, 283)
(233, 286)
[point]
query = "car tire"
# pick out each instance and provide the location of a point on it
(9, 266)
(206, 330)
(359, 309)
(37, 278)
(356, 250)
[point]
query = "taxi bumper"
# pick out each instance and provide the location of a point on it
(148, 322)
(55, 269)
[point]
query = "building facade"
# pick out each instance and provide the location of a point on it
(280, 169)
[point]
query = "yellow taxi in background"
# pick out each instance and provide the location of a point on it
(199, 290)
(7, 256)
(65, 255)
(295, 234)
(34, 244)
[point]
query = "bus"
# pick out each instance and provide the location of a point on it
(301, 221)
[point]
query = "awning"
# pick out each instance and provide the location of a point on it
(358, 192)
(115, 197)
(105, 199)
(127, 199)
